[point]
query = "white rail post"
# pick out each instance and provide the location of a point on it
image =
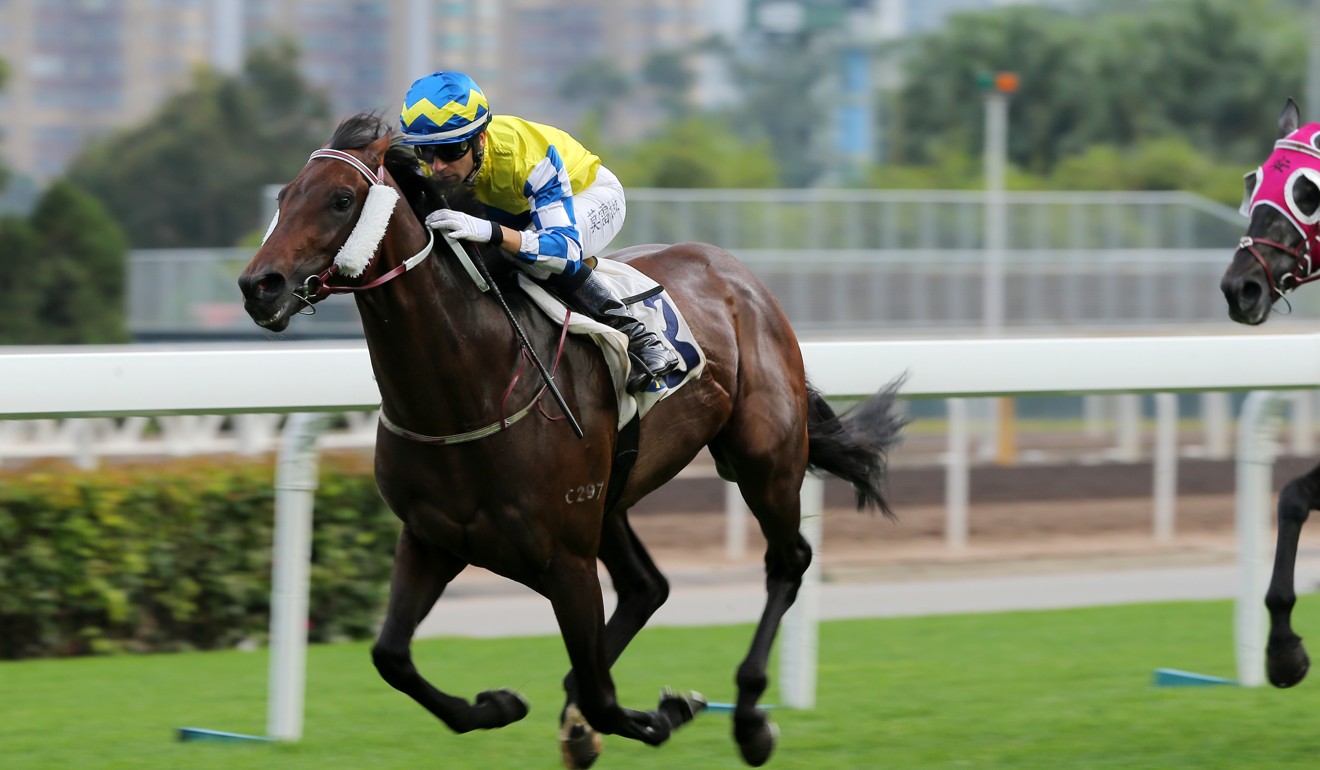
(956, 472)
(1216, 418)
(1094, 410)
(1166, 464)
(1128, 449)
(1303, 424)
(1257, 427)
(735, 522)
(798, 650)
(295, 490)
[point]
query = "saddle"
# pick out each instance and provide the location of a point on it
(653, 306)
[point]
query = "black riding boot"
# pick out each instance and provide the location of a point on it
(651, 359)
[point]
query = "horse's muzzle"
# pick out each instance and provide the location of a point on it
(266, 298)
(1248, 299)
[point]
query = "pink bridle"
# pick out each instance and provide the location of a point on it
(1295, 156)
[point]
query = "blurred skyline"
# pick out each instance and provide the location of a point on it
(80, 69)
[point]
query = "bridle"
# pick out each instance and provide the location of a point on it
(1303, 266)
(355, 258)
(1296, 156)
(380, 203)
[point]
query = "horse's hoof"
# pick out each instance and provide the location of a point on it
(1287, 667)
(579, 744)
(680, 709)
(758, 743)
(500, 707)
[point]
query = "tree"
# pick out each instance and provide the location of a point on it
(1213, 72)
(4, 78)
(598, 85)
(192, 175)
(1165, 163)
(940, 107)
(62, 273)
(698, 152)
(783, 103)
(668, 74)
(23, 282)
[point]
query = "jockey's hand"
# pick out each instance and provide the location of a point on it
(460, 226)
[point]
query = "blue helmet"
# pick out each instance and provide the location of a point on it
(442, 108)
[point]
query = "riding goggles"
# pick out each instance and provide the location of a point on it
(448, 152)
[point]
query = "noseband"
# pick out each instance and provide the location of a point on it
(359, 251)
(1303, 266)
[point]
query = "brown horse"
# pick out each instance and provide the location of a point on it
(1277, 255)
(525, 498)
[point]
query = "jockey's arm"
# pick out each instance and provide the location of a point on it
(552, 242)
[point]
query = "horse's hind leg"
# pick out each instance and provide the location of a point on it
(785, 562)
(420, 575)
(766, 450)
(641, 590)
(1285, 656)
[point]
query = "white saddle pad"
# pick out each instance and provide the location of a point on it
(659, 314)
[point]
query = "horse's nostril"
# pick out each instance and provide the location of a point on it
(261, 287)
(1250, 292)
(270, 284)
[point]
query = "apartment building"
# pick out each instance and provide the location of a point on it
(80, 69)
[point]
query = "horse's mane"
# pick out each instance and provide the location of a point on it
(423, 193)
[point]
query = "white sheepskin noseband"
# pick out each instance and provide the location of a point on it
(357, 252)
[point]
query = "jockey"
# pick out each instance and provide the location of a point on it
(549, 202)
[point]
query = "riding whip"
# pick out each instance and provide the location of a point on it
(522, 338)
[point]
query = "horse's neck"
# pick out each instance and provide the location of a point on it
(442, 353)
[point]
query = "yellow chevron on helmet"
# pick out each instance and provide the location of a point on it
(442, 108)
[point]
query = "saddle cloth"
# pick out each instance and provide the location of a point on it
(652, 305)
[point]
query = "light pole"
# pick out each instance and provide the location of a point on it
(997, 88)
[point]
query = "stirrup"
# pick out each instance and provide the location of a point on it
(642, 375)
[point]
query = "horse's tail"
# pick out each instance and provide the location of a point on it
(854, 445)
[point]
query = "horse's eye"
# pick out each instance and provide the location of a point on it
(343, 201)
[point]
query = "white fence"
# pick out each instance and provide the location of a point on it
(104, 382)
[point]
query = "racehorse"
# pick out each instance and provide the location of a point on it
(519, 494)
(1276, 256)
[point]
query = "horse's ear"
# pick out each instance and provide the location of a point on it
(375, 151)
(1289, 119)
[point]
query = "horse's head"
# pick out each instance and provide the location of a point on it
(331, 222)
(1282, 199)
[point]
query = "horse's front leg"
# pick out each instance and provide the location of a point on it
(641, 589)
(1286, 662)
(574, 591)
(420, 575)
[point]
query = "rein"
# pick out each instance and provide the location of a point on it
(495, 427)
(356, 256)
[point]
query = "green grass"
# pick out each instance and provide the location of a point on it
(1060, 689)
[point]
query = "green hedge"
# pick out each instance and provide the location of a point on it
(177, 555)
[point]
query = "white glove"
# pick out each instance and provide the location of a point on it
(460, 226)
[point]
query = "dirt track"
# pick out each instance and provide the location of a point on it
(1031, 514)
